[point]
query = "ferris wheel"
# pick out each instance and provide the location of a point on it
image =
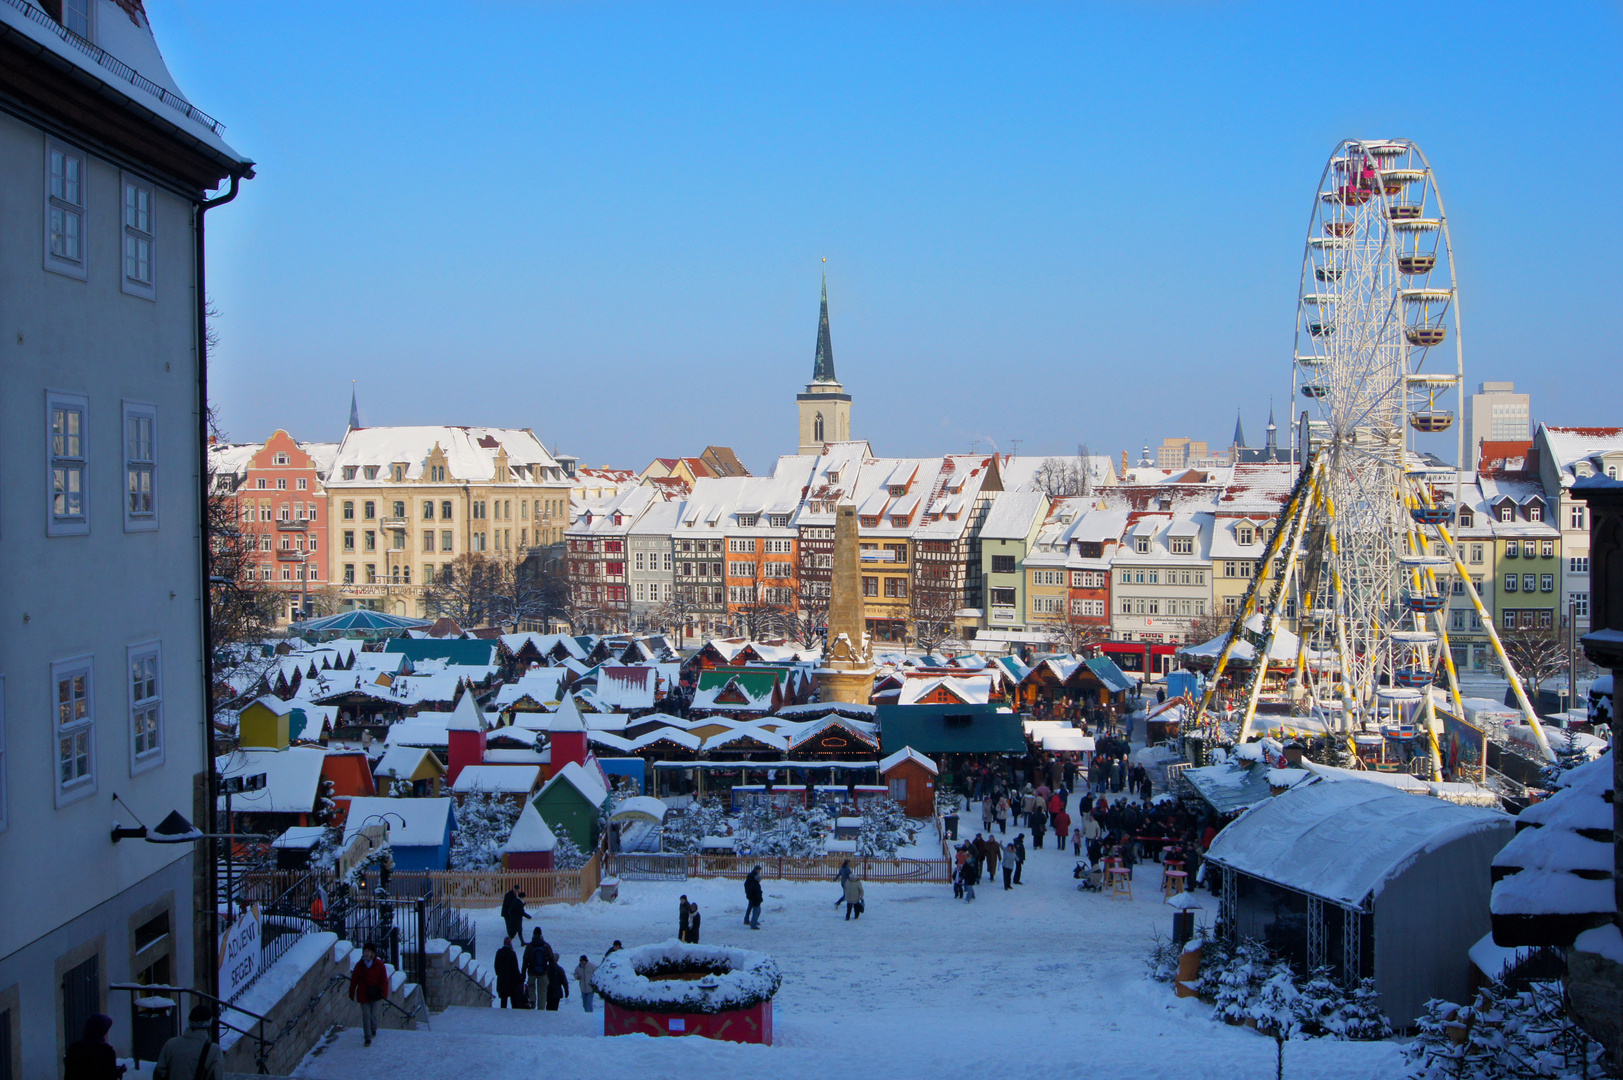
(1363, 553)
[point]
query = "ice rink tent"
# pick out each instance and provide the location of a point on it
(1367, 879)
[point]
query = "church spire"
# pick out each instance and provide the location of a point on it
(1273, 429)
(1239, 432)
(823, 366)
(354, 410)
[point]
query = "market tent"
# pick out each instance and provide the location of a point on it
(1062, 741)
(1283, 652)
(1368, 879)
(361, 620)
(945, 729)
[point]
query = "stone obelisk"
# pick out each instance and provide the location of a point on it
(847, 672)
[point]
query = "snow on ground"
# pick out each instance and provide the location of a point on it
(921, 985)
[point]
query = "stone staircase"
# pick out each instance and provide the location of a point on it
(460, 1033)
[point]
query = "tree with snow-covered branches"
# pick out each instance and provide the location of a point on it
(1504, 1034)
(567, 855)
(885, 828)
(1275, 1007)
(484, 822)
(686, 828)
(798, 834)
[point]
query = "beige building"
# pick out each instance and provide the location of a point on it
(404, 502)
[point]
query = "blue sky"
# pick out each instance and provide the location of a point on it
(1046, 222)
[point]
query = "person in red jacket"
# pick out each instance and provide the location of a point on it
(368, 985)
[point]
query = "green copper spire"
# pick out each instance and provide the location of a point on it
(823, 367)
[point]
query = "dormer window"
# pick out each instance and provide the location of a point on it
(436, 474)
(1467, 519)
(779, 520)
(1141, 544)
(899, 520)
(281, 459)
(1245, 535)
(1507, 512)
(74, 15)
(349, 472)
(897, 490)
(834, 476)
(1535, 512)
(397, 472)
(747, 521)
(370, 472)
(870, 522)
(617, 519)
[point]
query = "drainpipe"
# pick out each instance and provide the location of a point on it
(206, 627)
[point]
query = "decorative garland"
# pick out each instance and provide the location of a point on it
(733, 979)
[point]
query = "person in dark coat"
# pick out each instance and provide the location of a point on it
(509, 980)
(1020, 856)
(513, 913)
(693, 925)
(1039, 822)
(752, 899)
(192, 1055)
(557, 985)
(841, 878)
(537, 955)
(684, 914)
(90, 1058)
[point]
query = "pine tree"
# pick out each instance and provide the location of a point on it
(1275, 1007)
(1505, 1034)
(685, 829)
(568, 855)
(484, 822)
(885, 828)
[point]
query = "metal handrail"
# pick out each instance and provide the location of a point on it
(262, 1044)
(118, 67)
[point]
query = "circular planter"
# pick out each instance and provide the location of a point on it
(673, 988)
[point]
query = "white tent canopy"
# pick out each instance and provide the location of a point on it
(640, 808)
(1284, 648)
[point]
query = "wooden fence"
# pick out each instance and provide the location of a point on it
(485, 889)
(821, 868)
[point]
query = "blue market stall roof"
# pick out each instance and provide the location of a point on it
(361, 619)
(950, 729)
(1230, 787)
(1112, 676)
(462, 652)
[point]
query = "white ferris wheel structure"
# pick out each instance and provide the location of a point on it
(1363, 553)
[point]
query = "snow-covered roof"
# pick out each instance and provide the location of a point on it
(300, 836)
(1344, 841)
(588, 782)
(530, 833)
(470, 453)
(411, 822)
(1556, 868)
(906, 753)
(500, 779)
(466, 715)
(640, 808)
(292, 778)
(421, 730)
(626, 687)
(401, 761)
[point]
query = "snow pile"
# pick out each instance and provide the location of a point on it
(656, 978)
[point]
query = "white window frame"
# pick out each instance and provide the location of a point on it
(134, 413)
(85, 9)
(133, 238)
(142, 653)
(85, 786)
(67, 525)
(74, 267)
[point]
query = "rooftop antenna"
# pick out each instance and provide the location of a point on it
(1015, 443)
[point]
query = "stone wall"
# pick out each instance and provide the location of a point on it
(456, 978)
(303, 996)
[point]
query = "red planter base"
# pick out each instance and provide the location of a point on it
(753, 1025)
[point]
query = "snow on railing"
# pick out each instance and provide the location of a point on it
(118, 67)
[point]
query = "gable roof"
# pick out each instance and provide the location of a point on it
(411, 822)
(464, 652)
(530, 833)
(575, 776)
(907, 753)
(292, 779)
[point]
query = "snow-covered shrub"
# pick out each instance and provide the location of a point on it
(659, 978)
(799, 834)
(885, 828)
(946, 802)
(1239, 980)
(1505, 1034)
(567, 855)
(686, 828)
(484, 822)
(1162, 961)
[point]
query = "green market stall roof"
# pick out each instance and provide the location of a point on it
(950, 729)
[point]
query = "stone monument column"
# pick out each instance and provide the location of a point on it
(847, 672)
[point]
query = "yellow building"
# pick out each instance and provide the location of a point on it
(404, 502)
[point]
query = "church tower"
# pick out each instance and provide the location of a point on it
(825, 407)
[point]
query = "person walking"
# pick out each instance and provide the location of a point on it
(841, 878)
(1039, 823)
(513, 913)
(1003, 814)
(192, 1055)
(583, 977)
(89, 1057)
(509, 981)
(752, 899)
(693, 924)
(853, 897)
(537, 956)
(972, 876)
(1020, 856)
(1062, 827)
(1076, 841)
(368, 985)
(557, 986)
(1010, 856)
(684, 915)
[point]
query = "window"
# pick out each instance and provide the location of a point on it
(1467, 519)
(1546, 549)
(1529, 548)
(64, 207)
(349, 510)
(747, 521)
(68, 456)
(1535, 512)
(1002, 597)
(667, 561)
(780, 570)
(779, 547)
(369, 510)
(896, 587)
(445, 539)
(1476, 553)
(741, 547)
(349, 539)
(1580, 610)
(1578, 564)
(1546, 619)
(1231, 605)
(1546, 583)
(1510, 582)
(778, 521)
(1575, 517)
(1245, 535)
(138, 237)
(428, 510)
(1508, 619)
(1507, 513)
(1456, 618)
(140, 467)
(397, 539)
(398, 508)
(445, 510)
(349, 472)
(349, 573)
(1126, 606)
(1529, 582)
(1512, 549)
(428, 539)
(1047, 605)
(1141, 544)
(740, 569)
(1183, 545)
(636, 561)
(1003, 564)
(870, 586)
(371, 573)
(369, 540)
(75, 723)
(1154, 577)
(146, 707)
